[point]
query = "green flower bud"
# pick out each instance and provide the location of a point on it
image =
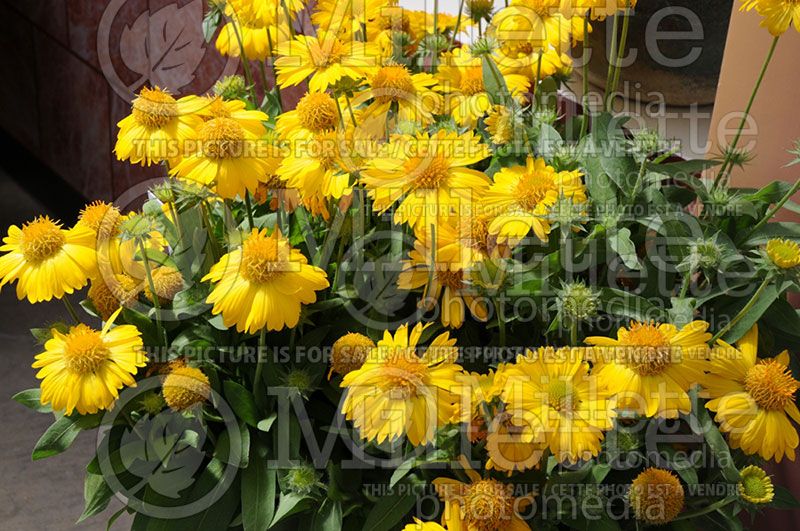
(577, 302)
(483, 46)
(231, 88)
(302, 479)
(480, 10)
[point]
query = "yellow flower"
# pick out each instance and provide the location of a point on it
(461, 77)
(755, 486)
(445, 274)
(509, 448)
(167, 281)
(349, 353)
(412, 95)
(248, 28)
(419, 525)
(315, 113)
(656, 496)
(325, 57)
(229, 154)
(528, 26)
(481, 504)
(263, 283)
(555, 403)
(600, 9)
(753, 399)
(348, 19)
(398, 392)
(422, 22)
(779, 15)
(783, 253)
(184, 387)
(157, 128)
(524, 195)
(46, 260)
(428, 172)
(502, 123)
(317, 165)
(652, 367)
(84, 369)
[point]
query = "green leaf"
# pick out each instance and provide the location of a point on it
(328, 517)
(31, 398)
(751, 317)
(714, 438)
(681, 312)
(96, 494)
(289, 504)
(493, 81)
(258, 489)
(683, 169)
(622, 244)
(627, 305)
(266, 424)
(389, 510)
(784, 499)
(62, 433)
(241, 401)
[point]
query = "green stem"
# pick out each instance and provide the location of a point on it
(612, 57)
(639, 179)
(458, 24)
(727, 163)
(719, 504)
(274, 72)
(573, 334)
(687, 280)
(626, 19)
(350, 109)
(248, 73)
(585, 123)
(156, 304)
(767, 281)
(258, 378)
(249, 206)
(212, 240)
(501, 322)
(71, 309)
(774, 210)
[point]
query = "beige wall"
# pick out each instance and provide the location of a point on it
(775, 118)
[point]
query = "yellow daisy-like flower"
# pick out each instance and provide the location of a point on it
(556, 404)
(398, 392)
(652, 367)
(509, 448)
(528, 26)
(755, 486)
(422, 22)
(326, 58)
(429, 173)
(753, 399)
(47, 261)
(157, 128)
(84, 369)
(315, 113)
(481, 504)
(783, 253)
(413, 96)
(656, 496)
(185, 387)
(351, 18)
(779, 15)
(600, 9)
(502, 124)
(250, 120)
(229, 155)
(461, 77)
(263, 283)
(446, 275)
(522, 196)
(349, 353)
(419, 525)
(254, 26)
(317, 165)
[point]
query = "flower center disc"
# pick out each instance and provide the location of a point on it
(532, 190)
(451, 279)
(154, 108)
(488, 505)
(403, 373)
(317, 112)
(559, 396)
(392, 83)
(221, 138)
(430, 172)
(262, 259)
(84, 351)
(41, 239)
(472, 81)
(771, 385)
